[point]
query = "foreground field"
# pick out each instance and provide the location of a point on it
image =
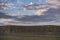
(29, 36)
(30, 33)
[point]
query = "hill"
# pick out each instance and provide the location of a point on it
(44, 28)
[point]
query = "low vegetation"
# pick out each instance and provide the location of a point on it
(45, 32)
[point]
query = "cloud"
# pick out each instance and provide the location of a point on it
(3, 15)
(41, 11)
(23, 19)
(15, 22)
(47, 15)
(6, 20)
(52, 11)
(6, 6)
(43, 14)
(53, 3)
(33, 6)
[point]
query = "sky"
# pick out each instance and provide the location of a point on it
(33, 12)
(17, 4)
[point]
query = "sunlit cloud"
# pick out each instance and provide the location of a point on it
(41, 11)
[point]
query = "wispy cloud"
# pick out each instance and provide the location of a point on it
(6, 6)
(33, 6)
(53, 3)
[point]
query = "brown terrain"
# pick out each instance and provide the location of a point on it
(45, 32)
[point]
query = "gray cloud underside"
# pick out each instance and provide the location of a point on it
(29, 18)
(3, 15)
(50, 15)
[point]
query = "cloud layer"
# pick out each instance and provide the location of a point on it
(6, 6)
(53, 3)
(45, 14)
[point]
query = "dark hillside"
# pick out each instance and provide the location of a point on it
(49, 28)
(45, 32)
